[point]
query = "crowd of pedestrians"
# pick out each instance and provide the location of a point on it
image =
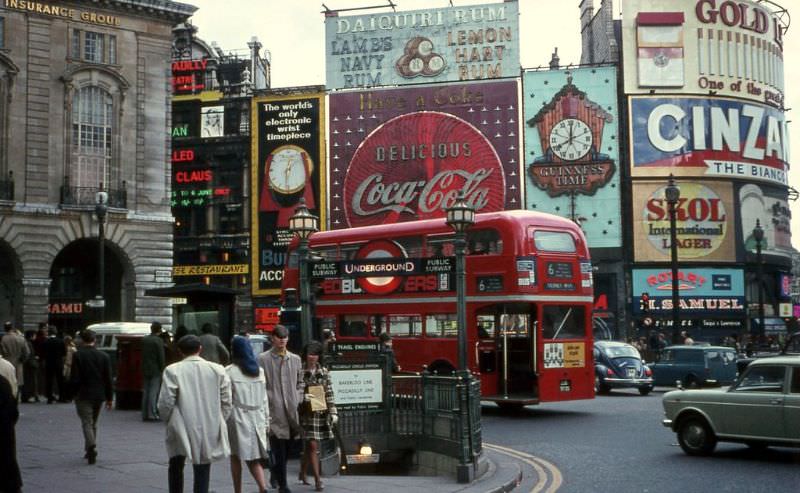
(249, 411)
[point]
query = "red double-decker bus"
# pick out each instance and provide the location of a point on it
(528, 299)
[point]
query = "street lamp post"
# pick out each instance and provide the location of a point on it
(758, 234)
(673, 194)
(304, 224)
(460, 216)
(101, 208)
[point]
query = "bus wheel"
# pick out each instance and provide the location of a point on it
(513, 407)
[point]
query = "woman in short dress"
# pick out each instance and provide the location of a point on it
(317, 425)
(247, 425)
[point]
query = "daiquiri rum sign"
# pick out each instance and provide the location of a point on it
(704, 219)
(404, 154)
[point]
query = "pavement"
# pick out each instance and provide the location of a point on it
(132, 458)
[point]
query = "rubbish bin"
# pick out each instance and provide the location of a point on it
(129, 382)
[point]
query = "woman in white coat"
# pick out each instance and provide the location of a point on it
(248, 423)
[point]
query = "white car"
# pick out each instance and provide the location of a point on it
(761, 408)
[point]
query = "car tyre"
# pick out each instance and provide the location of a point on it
(696, 437)
(645, 390)
(599, 386)
(691, 382)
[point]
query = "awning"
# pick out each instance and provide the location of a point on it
(193, 289)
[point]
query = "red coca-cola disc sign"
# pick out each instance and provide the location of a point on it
(412, 167)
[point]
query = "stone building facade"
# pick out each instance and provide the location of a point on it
(85, 107)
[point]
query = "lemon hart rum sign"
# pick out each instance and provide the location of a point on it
(570, 130)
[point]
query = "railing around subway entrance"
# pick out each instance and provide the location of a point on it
(420, 413)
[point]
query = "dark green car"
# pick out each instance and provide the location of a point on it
(695, 366)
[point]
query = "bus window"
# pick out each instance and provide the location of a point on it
(486, 326)
(377, 325)
(484, 242)
(514, 325)
(353, 326)
(441, 325)
(563, 322)
(554, 241)
(405, 325)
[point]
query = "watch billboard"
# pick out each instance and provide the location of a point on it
(572, 149)
(403, 154)
(288, 165)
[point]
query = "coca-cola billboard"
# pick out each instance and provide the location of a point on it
(403, 154)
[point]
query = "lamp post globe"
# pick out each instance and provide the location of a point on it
(304, 224)
(673, 194)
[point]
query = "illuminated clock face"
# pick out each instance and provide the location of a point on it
(289, 166)
(570, 139)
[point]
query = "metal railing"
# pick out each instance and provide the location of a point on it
(440, 414)
(117, 198)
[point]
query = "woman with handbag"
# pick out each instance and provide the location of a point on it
(248, 423)
(317, 411)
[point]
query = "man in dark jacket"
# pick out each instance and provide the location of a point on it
(91, 381)
(153, 362)
(54, 352)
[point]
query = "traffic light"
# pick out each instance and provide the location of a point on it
(644, 303)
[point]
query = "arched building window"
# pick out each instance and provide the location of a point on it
(8, 72)
(92, 137)
(94, 100)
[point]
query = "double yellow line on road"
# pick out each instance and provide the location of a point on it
(549, 477)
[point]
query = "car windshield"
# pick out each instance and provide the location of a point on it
(622, 352)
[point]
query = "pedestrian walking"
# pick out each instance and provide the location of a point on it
(283, 371)
(90, 378)
(30, 388)
(318, 412)
(71, 349)
(195, 400)
(248, 423)
(153, 363)
(213, 348)
(10, 477)
(14, 349)
(54, 353)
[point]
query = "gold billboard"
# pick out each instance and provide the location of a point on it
(704, 222)
(210, 270)
(730, 48)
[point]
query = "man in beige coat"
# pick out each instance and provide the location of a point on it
(284, 373)
(195, 401)
(14, 349)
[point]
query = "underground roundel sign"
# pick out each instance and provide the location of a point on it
(412, 167)
(376, 250)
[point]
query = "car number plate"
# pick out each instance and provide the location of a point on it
(631, 372)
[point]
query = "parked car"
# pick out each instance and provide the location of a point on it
(762, 408)
(695, 366)
(619, 365)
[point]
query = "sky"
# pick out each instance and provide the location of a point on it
(293, 31)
